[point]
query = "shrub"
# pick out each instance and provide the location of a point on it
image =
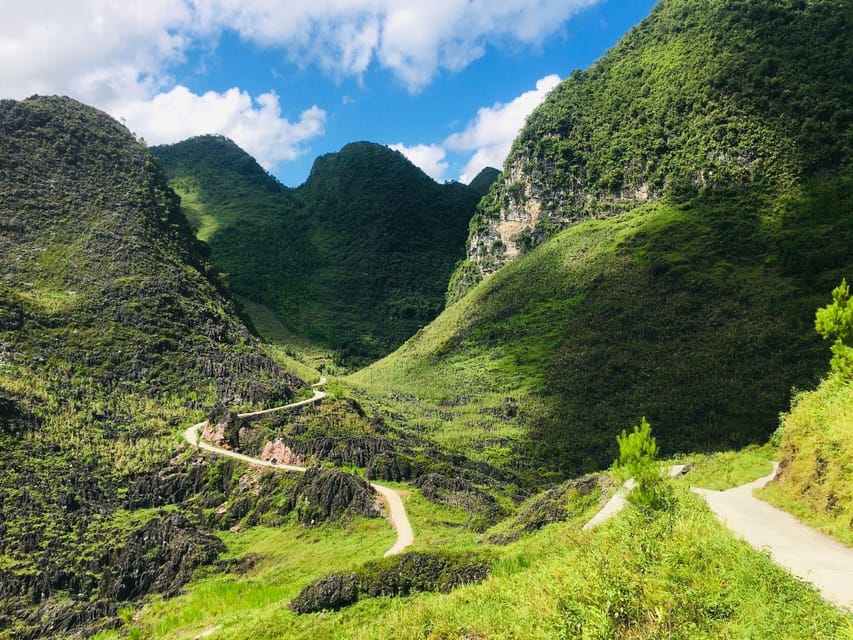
(637, 453)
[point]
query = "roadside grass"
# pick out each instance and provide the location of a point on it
(729, 469)
(671, 575)
(815, 481)
(679, 575)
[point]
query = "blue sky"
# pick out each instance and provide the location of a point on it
(447, 82)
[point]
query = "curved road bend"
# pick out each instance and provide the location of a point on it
(396, 511)
(805, 552)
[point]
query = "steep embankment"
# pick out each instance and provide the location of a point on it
(693, 309)
(815, 480)
(356, 259)
(111, 333)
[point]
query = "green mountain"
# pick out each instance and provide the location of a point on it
(702, 173)
(695, 98)
(357, 259)
(112, 333)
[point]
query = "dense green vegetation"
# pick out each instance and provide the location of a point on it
(676, 574)
(112, 333)
(698, 96)
(356, 260)
(815, 481)
(697, 316)
(714, 142)
(693, 308)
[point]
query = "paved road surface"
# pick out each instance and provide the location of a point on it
(396, 511)
(805, 552)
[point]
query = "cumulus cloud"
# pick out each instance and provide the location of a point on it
(429, 158)
(120, 56)
(108, 47)
(490, 134)
(257, 125)
(413, 39)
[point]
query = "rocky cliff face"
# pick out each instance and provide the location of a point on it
(529, 210)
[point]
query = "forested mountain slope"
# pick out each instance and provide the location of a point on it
(711, 148)
(356, 259)
(699, 96)
(112, 333)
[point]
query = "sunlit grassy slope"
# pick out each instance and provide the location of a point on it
(677, 575)
(696, 315)
(816, 478)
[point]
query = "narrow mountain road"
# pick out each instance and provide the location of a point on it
(396, 510)
(805, 552)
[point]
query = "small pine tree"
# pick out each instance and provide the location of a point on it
(836, 321)
(637, 453)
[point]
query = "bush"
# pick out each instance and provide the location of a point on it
(396, 576)
(637, 453)
(836, 321)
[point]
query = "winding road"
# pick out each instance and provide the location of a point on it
(396, 511)
(803, 551)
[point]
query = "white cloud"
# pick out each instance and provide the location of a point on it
(429, 158)
(491, 133)
(255, 125)
(120, 56)
(105, 48)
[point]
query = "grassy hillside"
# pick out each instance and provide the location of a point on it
(112, 333)
(356, 260)
(691, 315)
(815, 476)
(816, 437)
(694, 305)
(676, 575)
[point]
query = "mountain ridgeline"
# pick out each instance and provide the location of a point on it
(700, 173)
(112, 333)
(356, 259)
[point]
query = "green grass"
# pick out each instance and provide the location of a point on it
(677, 575)
(698, 316)
(728, 469)
(815, 481)
(281, 561)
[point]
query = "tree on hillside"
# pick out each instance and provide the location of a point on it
(836, 321)
(637, 453)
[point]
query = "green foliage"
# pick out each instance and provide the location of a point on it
(701, 96)
(836, 321)
(698, 316)
(815, 480)
(680, 576)
(112, 333)
(637, 453)
(356, 260)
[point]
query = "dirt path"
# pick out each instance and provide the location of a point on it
(805, 552)
(396, 510)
